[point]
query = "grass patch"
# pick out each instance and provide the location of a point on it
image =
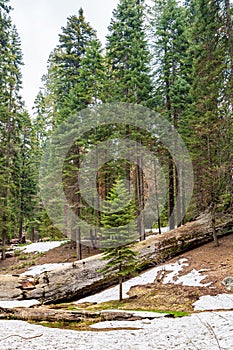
(174, 313)
(124, 306)
(24, 257)
(17, 252)
(114, 304)
(24, 264)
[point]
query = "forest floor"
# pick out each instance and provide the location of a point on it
(200, 330)
(66, 253)
(215, 263)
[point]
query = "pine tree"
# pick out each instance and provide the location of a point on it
(128, 55)
(73, 82)
(65, 62)
(128, 63)
(11, 128)
(172, 85)
(118, 233)
(26, 174)
(210, 115)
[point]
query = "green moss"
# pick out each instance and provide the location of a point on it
(174, 313)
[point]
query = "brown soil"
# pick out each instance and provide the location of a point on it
(62, 254)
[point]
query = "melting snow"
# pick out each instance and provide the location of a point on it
(36, 270)
(217, 302)
(42, 247)
(194, 278)
(10, 304)
(185, 333)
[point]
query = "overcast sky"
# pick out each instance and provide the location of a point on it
(39, 23)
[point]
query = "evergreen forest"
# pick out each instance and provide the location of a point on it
(174, 58)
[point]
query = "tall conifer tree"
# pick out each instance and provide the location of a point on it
(172, 85)
(118, 233)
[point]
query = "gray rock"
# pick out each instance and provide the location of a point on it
(228, 283)
(10, 287)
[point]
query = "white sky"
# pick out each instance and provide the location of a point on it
(39, 23)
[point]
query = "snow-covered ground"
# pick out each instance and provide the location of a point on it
(193, 278)
(217, 302)
(41, 247)
(156, 230)
(203, 331)
(36, 270)
(10, 304)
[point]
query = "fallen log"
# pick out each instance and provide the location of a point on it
(83, 278)
(59, 315)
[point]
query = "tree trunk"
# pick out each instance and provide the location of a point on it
(157, 198)
(3, 257)
(170, 160)
(20, 225)
(213, 225)
(120, 288)
(178, 199)
(183, 197)
(33, 234)
(78, 244)
(171, 194)
(140, 197)
(6, 194)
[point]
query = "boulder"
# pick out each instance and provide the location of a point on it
(228, 283)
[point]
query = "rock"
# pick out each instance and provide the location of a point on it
(228, 283)
(58, 315)
(42, 314)
(10, 287)
(13, 287)
(117, 316)
(28, 284)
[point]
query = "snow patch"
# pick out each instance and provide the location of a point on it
(37, 270)
(10, 304)
(217, 302)
(42, 247)
(192, 279)
(185, 333)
